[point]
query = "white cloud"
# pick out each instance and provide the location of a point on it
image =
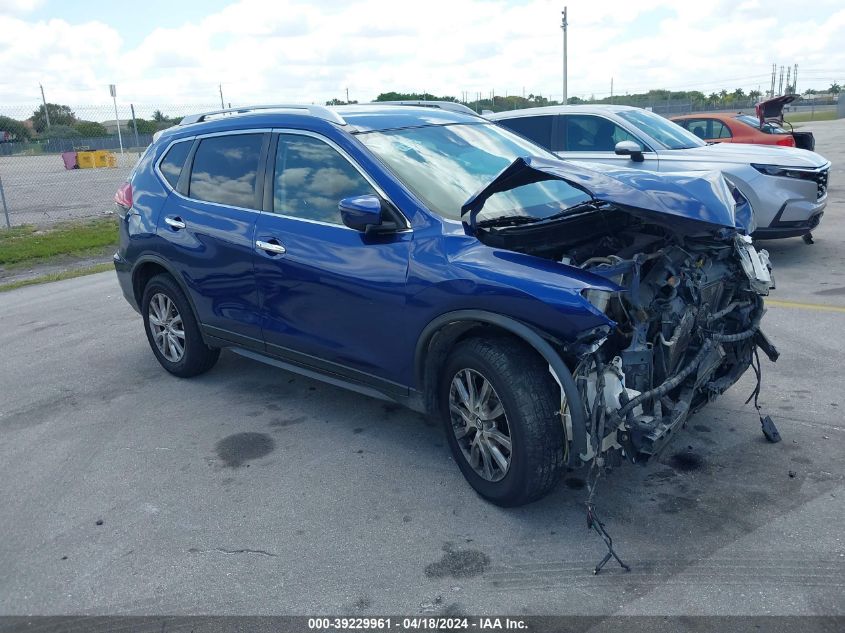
(301, 51)
(19, 6)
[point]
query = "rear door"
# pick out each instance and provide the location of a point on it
(332, 297)
(207, 228)
(588, 137)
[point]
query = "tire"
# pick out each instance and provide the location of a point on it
(529, 397)
(164, 308)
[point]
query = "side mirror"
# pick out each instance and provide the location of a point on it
(364, 213)
(630, 148)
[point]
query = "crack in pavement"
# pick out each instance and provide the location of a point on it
(245, 551)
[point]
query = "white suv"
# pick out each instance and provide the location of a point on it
(787, 187)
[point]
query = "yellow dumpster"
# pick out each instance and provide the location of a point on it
(85, 160)
(104, 158)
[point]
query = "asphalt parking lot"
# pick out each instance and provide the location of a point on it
(251, 490)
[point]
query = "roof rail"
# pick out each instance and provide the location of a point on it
(318, 111)
(452, 106)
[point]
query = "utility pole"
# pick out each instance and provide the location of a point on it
(780, 82)
(795, 80)
(113, 91)
(611, 91)
(220, 88)
(347, 95)
(772, 91)
(44, 101)
(788, 73)
(563, 25)
(135, 127)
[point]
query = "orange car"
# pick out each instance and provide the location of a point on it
(734, 128)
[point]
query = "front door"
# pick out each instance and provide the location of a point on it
(332, 298)
(588, 137)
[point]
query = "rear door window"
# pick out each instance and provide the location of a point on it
(534, 128)
(720, 130)
(225, 169)
(172, 163)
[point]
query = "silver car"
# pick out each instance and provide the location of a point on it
(787, 187)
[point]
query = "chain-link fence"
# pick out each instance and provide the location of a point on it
(72, 166)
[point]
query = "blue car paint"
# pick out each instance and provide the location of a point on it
(346, 299)
(335, 294)
(213, 255)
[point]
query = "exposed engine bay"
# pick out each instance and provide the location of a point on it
(685, 323)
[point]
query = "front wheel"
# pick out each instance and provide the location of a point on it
(500, 408)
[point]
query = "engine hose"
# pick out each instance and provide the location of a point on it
(682, 375)
(670, 384)
(730, 308)
(739, 336)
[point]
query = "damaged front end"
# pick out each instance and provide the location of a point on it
(687, 323)
(684, 321)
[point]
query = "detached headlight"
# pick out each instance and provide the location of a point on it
(598, 298)
(786, 172)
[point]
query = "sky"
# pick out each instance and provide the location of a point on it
(176, 52)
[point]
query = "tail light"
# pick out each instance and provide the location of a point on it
(788, 141)
(123, 197)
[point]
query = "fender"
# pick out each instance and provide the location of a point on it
(532, 338)
(151, 258)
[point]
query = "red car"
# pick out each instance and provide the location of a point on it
(766, 128)
(734, 128)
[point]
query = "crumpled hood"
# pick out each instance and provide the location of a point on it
(676, 199)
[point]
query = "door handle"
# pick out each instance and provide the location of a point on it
(272, 247)
(175, 223)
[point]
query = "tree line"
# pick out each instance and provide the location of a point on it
(497, 103)
(64, 123)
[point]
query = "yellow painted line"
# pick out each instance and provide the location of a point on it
(819, 307)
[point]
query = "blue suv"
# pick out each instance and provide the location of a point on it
(550, 315)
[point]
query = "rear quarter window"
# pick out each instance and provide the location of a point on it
(173, 162)
(534, 128)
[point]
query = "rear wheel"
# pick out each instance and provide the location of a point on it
(499, 405)
(172, 329)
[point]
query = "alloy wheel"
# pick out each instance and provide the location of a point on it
(166, 327)
(480, 424)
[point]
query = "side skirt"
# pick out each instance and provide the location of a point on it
(316, 368)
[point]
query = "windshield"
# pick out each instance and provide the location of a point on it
(669, 134)
(443, 165)
(768, 128)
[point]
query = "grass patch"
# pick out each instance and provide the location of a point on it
(25, 245)
(804, 117)
(65, 274)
